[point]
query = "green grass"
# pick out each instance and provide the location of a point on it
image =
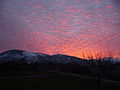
(52, 83)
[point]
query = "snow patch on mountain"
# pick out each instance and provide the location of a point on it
(12, 54)
(29, 54)
(4, 55)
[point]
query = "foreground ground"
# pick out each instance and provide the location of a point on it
(50, 81)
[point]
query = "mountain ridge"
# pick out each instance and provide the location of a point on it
(15, 54)
(31, 57)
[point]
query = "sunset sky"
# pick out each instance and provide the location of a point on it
(64, 26)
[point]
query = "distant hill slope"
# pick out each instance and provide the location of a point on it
(16, 55)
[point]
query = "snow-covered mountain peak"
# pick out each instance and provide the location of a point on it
(30, 54)
(31, 57)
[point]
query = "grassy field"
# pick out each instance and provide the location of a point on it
(54, 82)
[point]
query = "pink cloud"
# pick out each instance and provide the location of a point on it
(98, 1)
(38, 5)
(88, 16)
(1, 50)
(73, 10)
(109, 6)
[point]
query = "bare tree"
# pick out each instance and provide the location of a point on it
(96, 64)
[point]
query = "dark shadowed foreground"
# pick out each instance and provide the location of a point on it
(52, 81)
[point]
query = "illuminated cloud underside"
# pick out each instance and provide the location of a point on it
(63, 26)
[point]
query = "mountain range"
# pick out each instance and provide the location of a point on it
(31, 57)
(11, 60)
